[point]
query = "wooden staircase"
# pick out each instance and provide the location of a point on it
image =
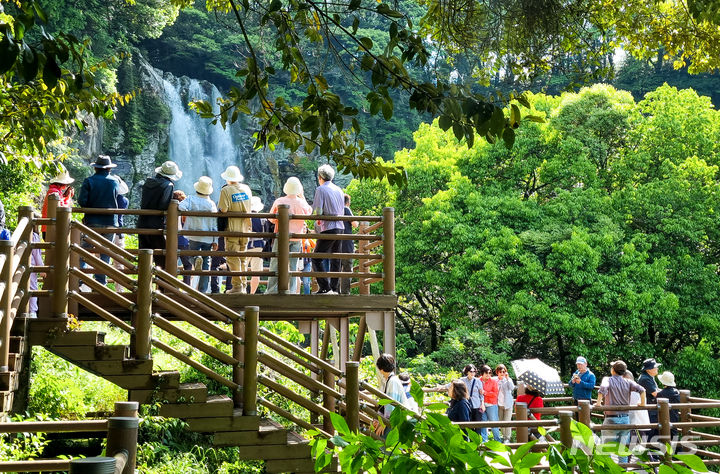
(257, 438)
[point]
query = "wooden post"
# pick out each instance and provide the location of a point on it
(389, 332)
(126, 409)
(171, 238)
(140, 346)
(685, 412)
(53, 201)
(360, 339)
(328, 400)
(585, 410)
(237, 352)
(344, 342)
(521, 413)
(325, 349)
(61, 265)
(565, 431)
(252, 318)
(27, 213)
(363, 287)
(283, 249)
(315, 350)
(664, 419)
(352, 395)
(6, 249)
(389, 251)
(74, 283)
(122, 436)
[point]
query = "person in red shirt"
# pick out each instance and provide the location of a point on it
(490, 391)
(60, 186)
(533, 399)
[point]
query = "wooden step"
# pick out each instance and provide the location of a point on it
(293, 448)
(97, 352)
(8, 381)
(268, 432)
(17, 344)
(6, 401)
(187, 393)
(235, 422)
(117, 367)
(77, 338)
(156, 381)
(15, 362)
(214, 406)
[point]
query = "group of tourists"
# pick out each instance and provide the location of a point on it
(486, 395)
(107, 191)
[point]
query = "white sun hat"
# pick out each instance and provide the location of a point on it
(62, 178)
(232, 174)
(293, 186)
(204, 185)
(170, 170)
(667, 378)
(256, 204)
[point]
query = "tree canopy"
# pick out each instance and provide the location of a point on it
(596, 234)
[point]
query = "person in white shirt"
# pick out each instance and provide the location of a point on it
(393, 388)
(201, 202)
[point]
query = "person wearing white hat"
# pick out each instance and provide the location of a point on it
(236, 197)
(60, 187)
(672, 394)
(293, 190)
(201, 202)
(156, 194)
(256, 244)
(119, 240)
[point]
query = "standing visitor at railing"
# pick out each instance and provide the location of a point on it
(100, 191)
(35, 260)
(156, 194)
(672, 394)
(59, 186)
(506, 386)
(582, 381)
(201, 202)
(182, 242)
(392, 388)
(329, 200)
(615, 391)
(459, 409)
(348, 246)
(293, 190)
(256, 244)
(647, 380)
(122, 203)
(637, 417)
(236, 197)
(490, 394)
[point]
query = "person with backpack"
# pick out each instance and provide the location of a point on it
(392, 388)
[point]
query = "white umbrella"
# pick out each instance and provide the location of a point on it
(539, 376)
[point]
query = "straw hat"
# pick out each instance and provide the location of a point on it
(256, 204)
(204, 186)
(103, 162)
(170, 170)
(667, 378)
(62, 178)
(232, 174)
(293, 186)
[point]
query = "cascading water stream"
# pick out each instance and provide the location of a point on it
(196, 145)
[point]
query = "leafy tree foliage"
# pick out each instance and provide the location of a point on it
(595, 234)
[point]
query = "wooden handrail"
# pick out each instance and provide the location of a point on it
(196, 365)
(102, 312)
(292, 396)
(289, 416)
(288, 354)
(99, 238)
(196, 343)
(103, 290)
(70, 426)
(300, 378)
(316, 360)
(193, 318)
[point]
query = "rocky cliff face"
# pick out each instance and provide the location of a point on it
(158, 125)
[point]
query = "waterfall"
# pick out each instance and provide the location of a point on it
(197, 146)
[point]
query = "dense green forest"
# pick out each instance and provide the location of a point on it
(595, 235)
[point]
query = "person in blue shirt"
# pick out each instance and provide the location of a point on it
(582, 381)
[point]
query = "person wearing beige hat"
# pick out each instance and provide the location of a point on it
(673, 396)
(293, 190)
(156, 194)
(201, 202)
(60, 187)
(236, 197)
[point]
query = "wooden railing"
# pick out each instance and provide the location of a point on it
(375, 233)
(121, 431)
